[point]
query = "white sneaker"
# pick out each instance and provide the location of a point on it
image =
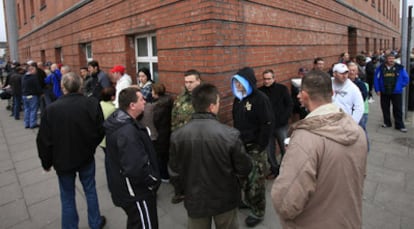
(371, 100)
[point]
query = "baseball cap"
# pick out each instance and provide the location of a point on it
(341, 68)
(118, 68)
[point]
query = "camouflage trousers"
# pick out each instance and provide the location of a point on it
(254, 187)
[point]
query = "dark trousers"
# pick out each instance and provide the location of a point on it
(396, 100)
(226, 220)
(142, 214)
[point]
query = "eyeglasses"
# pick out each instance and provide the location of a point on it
(267, 78)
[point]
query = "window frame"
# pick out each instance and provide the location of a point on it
(150, 58)
(87, 46)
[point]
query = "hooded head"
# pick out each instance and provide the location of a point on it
(247, 79)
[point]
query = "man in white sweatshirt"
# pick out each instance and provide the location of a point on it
(346, 94)
(122, 80)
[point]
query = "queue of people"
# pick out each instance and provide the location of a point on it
(215, 169)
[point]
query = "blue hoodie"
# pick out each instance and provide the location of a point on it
(244, 83)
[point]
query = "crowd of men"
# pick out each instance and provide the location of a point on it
(215, 169)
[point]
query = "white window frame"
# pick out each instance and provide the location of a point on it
(147, 59)
(86, 47)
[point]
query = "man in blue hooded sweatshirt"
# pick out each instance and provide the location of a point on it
(252, 116)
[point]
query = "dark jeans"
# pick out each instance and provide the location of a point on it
(70, 218)
(280, 134)
(142, 214)
(17, 101)
(396, 100)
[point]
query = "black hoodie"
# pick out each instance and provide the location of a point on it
(252, 115)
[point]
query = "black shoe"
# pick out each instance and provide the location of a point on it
(385, 126)
(177, 199)
(103, 222)
(252, 221)
(35, 126)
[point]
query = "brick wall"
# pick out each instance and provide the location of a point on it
(214, 37)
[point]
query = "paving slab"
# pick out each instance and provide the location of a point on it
(6, 165)
(7, 177)
(37, 192)
(10, 193)
(27, 165)
(385, 176)
(395, 199)
(375, 217)
(13, 213)
(34, 176)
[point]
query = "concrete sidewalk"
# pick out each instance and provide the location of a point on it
(30, 198)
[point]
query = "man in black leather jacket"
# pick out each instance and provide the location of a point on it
(133, 171)
(208, 157)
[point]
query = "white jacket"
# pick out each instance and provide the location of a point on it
(348, 97)
(123, 82)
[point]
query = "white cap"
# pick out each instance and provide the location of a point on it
(341, 68)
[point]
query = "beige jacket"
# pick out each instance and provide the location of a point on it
(322, 174)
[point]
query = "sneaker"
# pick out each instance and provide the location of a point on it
(404, 130)
(252, 221)
(385, 126)
(165, 180)
(103, 222)
(371, 100)
(177, 199)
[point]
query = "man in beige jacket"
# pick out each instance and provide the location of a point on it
(322, 174)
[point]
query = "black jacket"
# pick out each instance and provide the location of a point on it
(16, 83)
(31, 85)
(208, 156)
(281, 102)
(133, 170)
(70, 130)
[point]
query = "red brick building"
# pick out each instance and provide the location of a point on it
(216, 37)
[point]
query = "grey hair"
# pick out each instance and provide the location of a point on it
(66, 68)
(71, 82)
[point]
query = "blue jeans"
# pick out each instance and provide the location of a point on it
(70, 218)
(31, 104)
(363, 124)
(17, 100)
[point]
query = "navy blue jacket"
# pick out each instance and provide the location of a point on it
(133, 169)
(31, 85)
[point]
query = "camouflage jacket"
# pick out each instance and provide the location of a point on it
(182, 110)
